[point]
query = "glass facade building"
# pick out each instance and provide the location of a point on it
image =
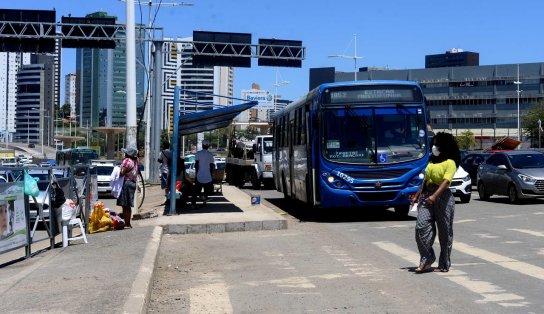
(482, 99)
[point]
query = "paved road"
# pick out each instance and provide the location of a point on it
(346, 262)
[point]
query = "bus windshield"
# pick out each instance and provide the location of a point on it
(372, 135)
(268, 147)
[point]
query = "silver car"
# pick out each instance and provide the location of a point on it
(516, 174)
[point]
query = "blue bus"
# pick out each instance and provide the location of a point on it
(74, 156)
(353, 144)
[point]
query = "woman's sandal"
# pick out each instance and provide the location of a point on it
(424, 267)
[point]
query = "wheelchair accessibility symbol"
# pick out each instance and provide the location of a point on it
(382, 157)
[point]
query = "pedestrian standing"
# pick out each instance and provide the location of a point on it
(129, 170)
(204, 166)
(165, 158)
(437, 203)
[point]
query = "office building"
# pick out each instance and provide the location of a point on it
(178, 70)
(101, 75)
(10, 62)
(482, 99)
(50, 90)
(452, 58)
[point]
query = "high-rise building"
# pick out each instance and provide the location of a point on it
(50, 90)
(30, 103)
(101, 75)
(179, 70)
(70, 92)
(10, 62)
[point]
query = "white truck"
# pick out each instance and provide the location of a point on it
(250, 161)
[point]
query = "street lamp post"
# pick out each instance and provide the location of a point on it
(518, 91)
(276, 85)
(354, 57)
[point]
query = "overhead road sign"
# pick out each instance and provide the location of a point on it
(88, 32)
(235, 49)
(280, 52)
(218, 48)
(27, 31)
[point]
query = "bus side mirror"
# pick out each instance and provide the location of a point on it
(254, 148)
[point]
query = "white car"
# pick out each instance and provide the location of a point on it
(461, 185)
(103, 169)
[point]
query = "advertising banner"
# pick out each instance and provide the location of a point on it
(13, 224)
(263, 97)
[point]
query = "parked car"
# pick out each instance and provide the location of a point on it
(516, 174)
(43, 197)
(461, 185)
(31, 145)
(472, 161)
(191, 171)
(103, 170)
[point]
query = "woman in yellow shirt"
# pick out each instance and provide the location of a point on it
(437, 204)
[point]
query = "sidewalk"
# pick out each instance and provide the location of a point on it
(113, 271)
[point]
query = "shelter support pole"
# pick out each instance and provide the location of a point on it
(175, 153)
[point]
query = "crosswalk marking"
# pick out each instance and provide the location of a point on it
(503, 261)
(368, 271)
(211, 296)
(531, 232)
(489, 292)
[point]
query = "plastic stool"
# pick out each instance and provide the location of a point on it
(67, 231)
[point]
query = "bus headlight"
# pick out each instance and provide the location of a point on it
(418, 179)
(335, 182)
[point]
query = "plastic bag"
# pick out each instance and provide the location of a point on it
(68, 210)
(31, 185)
(100, 219)
(57, 195)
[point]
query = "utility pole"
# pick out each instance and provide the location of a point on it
(150, 37)
(354, 57)
(131, 135)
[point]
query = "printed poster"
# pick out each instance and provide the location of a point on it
(13, 224)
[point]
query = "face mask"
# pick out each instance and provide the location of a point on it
(435, 150)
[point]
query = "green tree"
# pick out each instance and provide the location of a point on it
(530, 122)
(466, 140)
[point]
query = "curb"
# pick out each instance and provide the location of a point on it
(225, 227)
(141, 287)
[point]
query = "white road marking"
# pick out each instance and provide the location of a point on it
(511, 242)
(368, 271)
(509, 216)
(540, 252)
(463, 221)
(489, 292)
(503, 261)
(212, 296)
(485, 235)
(531, 232)
(394, 226)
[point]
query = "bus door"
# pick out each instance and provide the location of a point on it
(291, 158)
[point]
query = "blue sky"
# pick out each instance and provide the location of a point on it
(390, 33)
